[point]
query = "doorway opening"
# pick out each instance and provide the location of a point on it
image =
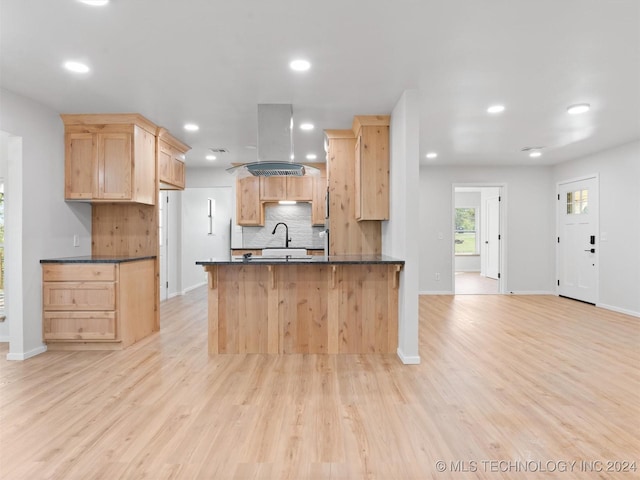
(477, 239)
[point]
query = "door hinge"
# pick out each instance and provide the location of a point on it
(558, 239)
(558, 196)
(558, 282)
(167, 284)
(498, 275)
(499, 198)
(499, 237)
(167, 198)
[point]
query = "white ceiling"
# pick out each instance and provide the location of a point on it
(212, 61)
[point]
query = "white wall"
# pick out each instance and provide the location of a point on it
(529, 225)
(46, 222)
(400, 233)
(4, 155)
(197, 244)
(619, 175)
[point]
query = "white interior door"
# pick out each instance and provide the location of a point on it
(163, 220)
(577, 239)
(492, 242)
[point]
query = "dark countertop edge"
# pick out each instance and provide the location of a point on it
(97, 259)
(275, 248)
(311, 261)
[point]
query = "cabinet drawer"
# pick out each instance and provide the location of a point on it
(79, 296)
(81, 272)
(79, 326)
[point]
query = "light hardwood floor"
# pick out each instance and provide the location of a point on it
(535, 380)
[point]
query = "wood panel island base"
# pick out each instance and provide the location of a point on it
(345, 304)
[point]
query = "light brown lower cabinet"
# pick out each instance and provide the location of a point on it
(97, 306)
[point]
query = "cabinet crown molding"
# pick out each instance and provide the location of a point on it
(109, 119)
(360, 121)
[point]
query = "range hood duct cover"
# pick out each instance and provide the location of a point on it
(275, 144)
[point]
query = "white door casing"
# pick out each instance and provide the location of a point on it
(492, 250)
(163, 235)
(577, 242)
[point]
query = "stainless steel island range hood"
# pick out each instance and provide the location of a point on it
(275, 145)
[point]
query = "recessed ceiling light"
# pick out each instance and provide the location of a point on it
(578, 108)
(76, 67)
(95, 3)
(306, 126)
(300, 65)
(432, 155)
(191, 127)
(210, 157)
(495, 109)
(535, 154)
(311, 156)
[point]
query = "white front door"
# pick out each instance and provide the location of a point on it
(492, 243)
(577, 240)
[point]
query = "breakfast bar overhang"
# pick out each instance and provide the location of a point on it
(334, 304)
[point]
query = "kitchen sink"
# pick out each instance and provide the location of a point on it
(285, 252)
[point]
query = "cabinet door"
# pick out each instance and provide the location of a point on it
(300, 188)
(114, 166)
(177, 171)
(319, 200)
(248, 206)
(358, 192)
(80, 167)
(372, 174)
(273, 189)
(164, 162)
(85, 326)
(76, 296)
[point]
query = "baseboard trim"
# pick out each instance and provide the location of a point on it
(193, 287)
(435, 292)
(408, 359)
(618, 309)
(26, 355)
(531, 292)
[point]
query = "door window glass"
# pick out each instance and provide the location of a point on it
(578, 202)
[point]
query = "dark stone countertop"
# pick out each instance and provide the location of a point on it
(312, 259)
(99, 259)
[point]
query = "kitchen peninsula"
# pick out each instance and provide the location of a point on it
(319, 304)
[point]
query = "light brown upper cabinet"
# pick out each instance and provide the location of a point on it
(249, 211)
(371, 167)
(274, 189)
(171, 168)
(318, 202)
(110, 158)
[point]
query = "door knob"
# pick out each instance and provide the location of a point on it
(592, 250)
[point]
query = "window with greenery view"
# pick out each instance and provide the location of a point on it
(465, 237)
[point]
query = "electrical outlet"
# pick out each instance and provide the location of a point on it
(437, 276)
(76, 240)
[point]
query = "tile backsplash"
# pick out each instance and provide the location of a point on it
(298, 219)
